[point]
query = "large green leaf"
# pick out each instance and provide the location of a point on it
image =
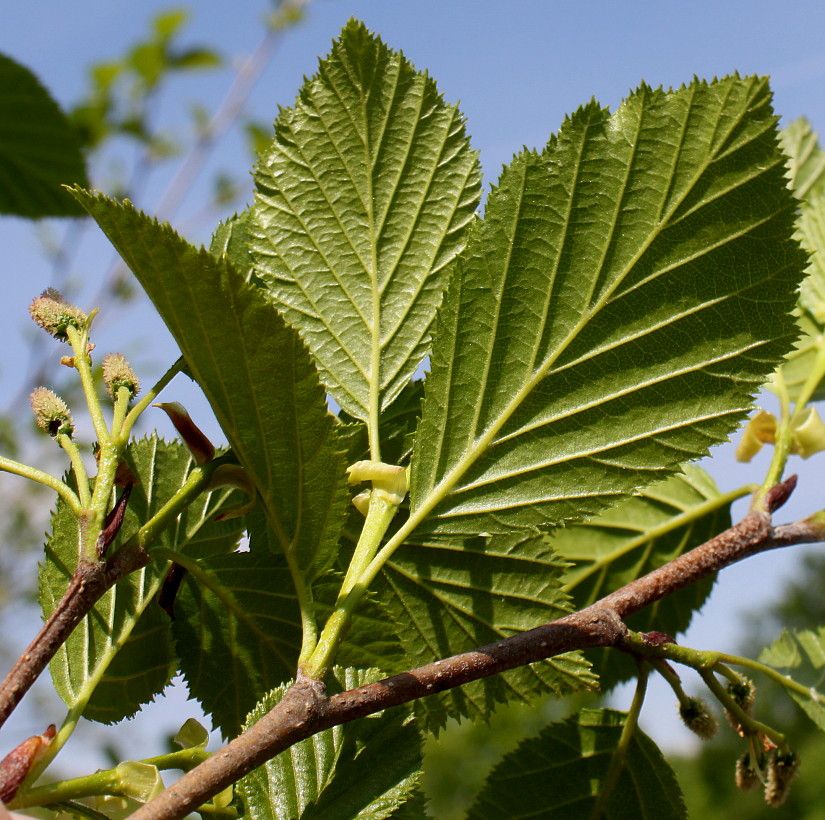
(637, 536)
(363, 200)
(627, 292)
(364, 770)
(559, 774)
(256, 373)
(803, 654)
(39, 150)
(452, 596)
(120, 656)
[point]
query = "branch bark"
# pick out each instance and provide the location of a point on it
(305, 709)
(89, 582)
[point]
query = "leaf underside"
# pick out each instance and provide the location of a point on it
(363, 199)
(626, 294)
(635, 537)
(121, 655)
(452, 596)
(365, 770)
(807, 166)
(801, 655)
(559, 774)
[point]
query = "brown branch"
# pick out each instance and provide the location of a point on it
(88, 584)
(305, 710)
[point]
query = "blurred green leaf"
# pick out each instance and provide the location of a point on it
(806, 160)
(807, 168)
(802, 652)
(39, 149)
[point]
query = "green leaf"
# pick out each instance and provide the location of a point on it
(120, 656)
(627, 292)
(231, 239)
(39, 150)
(363, 200)
(453, 596)
(237, 630)
(256, 374)
(806, 160)
(803, 653)
(807, 180)
(559, 774)
(364, 770)
(637, 536)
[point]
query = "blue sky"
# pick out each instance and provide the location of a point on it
(515, 69)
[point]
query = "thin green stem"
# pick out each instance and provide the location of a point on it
(783, 680)
(379, 515)
(748, 724)
(783, 439)
(149, 397)
(106, 782)
(83, 365)
(52, 482)
(121, 406)
(79, 468)
(619, 756)
(663, 668)
(196, 483)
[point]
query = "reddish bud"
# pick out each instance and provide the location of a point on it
(18, 762)
(193, 437)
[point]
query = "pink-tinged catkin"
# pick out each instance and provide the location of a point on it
(117, 373)
(55, 315)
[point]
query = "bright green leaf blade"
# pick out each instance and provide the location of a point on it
(237, 631)
(802, 653)
(363, 200)
(627, 292)
(39, 150)
(256, 374)
(635, 537)
(806, 163)
(121, 656)
(558, 775)
(453, 596)
(364, 770)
